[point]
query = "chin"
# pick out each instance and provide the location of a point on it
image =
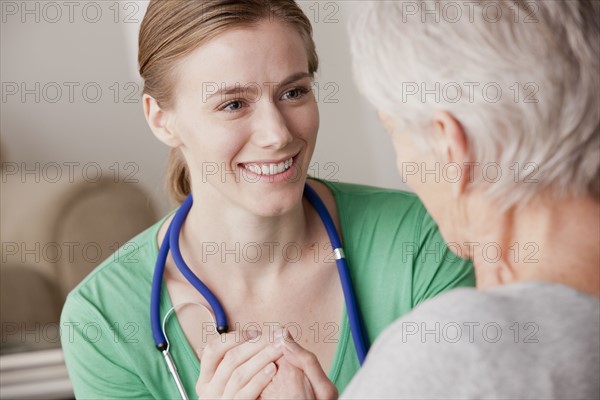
(277, 209)
(277, 202)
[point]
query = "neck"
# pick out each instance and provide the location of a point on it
(552, 241)
(242, 245)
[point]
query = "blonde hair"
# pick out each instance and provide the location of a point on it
(172, 29)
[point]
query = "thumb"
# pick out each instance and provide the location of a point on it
(309, 364)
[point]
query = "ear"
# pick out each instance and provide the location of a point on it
(158, 120)
(454, 145)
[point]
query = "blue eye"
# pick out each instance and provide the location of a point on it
(232, 106)
(295, 94)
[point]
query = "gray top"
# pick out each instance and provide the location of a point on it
(529, 340)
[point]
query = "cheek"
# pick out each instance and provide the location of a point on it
(205, 140)
(304, 122)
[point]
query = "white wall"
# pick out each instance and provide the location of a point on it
(350, 133)
(63, 129)
(73, 50)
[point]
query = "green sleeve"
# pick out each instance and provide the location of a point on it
(97, 367)
(436, 268)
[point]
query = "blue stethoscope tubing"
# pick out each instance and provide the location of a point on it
(171, 243)
(357, 327)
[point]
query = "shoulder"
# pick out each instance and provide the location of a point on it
(467, 303)
(484, 337)
(543, 310)
(367, 206)
(522, 299)
(358, 193)
(106, 319)
(422, 347)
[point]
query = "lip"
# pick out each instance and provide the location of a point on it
(289, 175)
(272, 161)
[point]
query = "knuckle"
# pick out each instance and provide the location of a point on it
(231, 356)
(209, 351)
(237, 376)
(272, 350)
(309, 358)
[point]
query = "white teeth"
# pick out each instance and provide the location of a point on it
(254, 168)
(269, 169)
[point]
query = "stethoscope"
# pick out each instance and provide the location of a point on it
(171, 242)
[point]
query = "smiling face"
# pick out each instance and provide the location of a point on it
(245, 118)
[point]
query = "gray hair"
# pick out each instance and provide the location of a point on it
(542, 57)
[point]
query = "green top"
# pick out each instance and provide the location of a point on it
(395, 254)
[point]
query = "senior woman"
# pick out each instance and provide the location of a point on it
(227, 86)
(520, 194)
(521, 197)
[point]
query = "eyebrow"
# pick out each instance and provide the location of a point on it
(237, 88)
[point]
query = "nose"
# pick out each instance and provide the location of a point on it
(271, 130)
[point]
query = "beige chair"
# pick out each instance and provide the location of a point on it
(100, 217)
(53, 235)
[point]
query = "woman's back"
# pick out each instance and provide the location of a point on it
(522, 340)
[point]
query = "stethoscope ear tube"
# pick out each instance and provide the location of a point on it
(359, 336)
(178, 219)
(159, 338)
(171, 243)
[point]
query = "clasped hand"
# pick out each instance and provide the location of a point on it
(252, 366)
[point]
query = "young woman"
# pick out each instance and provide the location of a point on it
(228, 88)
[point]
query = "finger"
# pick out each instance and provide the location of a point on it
(288, 383)
(258, 383)
(294, 376)
(215, 350)
(288, 372)
(237, 377)
(308, 362)
(234, 358)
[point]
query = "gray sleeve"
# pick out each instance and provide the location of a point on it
(409, 361)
